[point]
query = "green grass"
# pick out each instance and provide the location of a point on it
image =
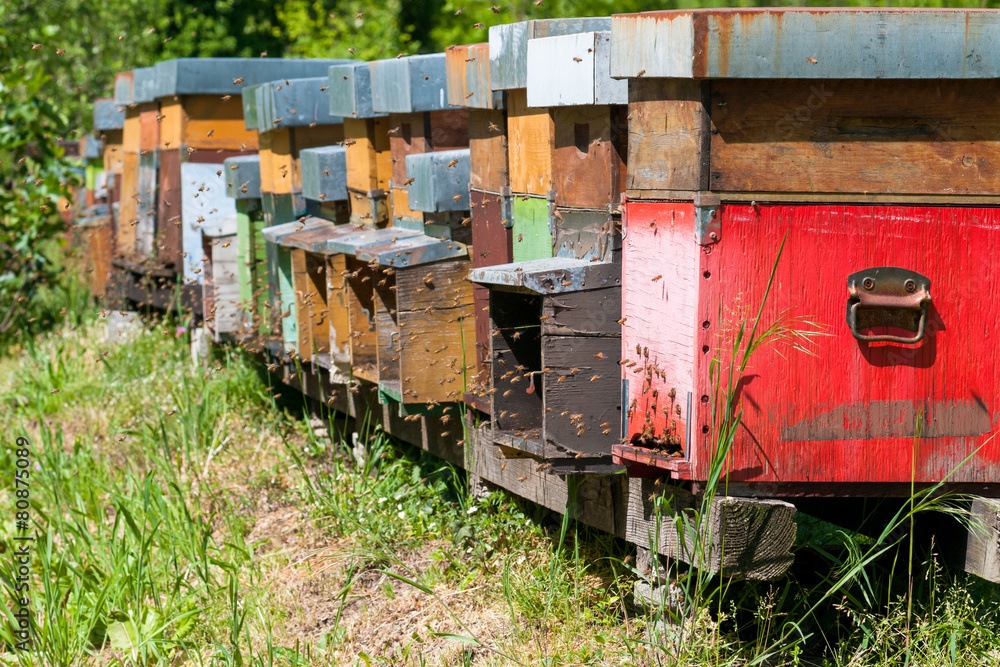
(185, 516)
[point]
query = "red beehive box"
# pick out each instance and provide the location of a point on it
(768, 130)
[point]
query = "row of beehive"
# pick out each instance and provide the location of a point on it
(380, 189)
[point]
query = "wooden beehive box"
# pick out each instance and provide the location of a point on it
(109, 121)
(424, 324)
(439, 189)
(94, 237)
(198, 124)
(321, 327)
(201, 121)
(242, 176)
(278, 203)
(319, 280)
(304, 290)
(283, 320)
(282, 135)
(509, 46)
(324, 182)
(412, 91)
(554, 348)
(204, 204)
(468, 84)
(565, 120)
(837, 147)
(366, 138)
(220, 279)
(359, 294)
(140, 135)
(568, 74)
(491, 245)
(530, 128)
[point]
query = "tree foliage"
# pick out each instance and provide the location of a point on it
(35, 181)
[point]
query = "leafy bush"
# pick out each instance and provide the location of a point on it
(35, 182)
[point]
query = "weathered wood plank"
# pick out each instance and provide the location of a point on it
(128, 213)
(309, 276)
(339, 332)
(387, 326)
(108, 115)
(402, 214)
(660, 308)
(449, 129)
(795, 43)
(276, 160)
(145, 228)
(982, 555)
(370, 211)
(531, 141)
(216, 76)
(586, 234)
(361, 309)
(435, 286)
(582, 392)
(596, 500)
(203, 204)
(220, 285)
(905, 137)
(488, 150)
(369, 158)
(408, 134)
(440, 181)
(310, 136)
(324, 173)
(287, 268)
(668, 135)
(436, 340)
(586, 313)
(509, 45)
(204, 122)
(468, 77)
(410, 84)
(572, 70)
(746, 538)
(350, 91)
(531, 235)
(588, 156)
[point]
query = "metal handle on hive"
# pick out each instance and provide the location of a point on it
(888, 288)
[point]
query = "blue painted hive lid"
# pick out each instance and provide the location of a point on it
(807, 43)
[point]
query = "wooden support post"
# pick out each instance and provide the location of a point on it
(982, 551)
(745, 538)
